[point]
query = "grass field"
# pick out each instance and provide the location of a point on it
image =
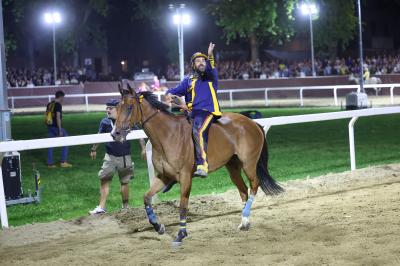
(296, 151)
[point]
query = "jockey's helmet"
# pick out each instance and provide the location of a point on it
(197, 55)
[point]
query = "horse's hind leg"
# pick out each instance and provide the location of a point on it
(249, 168)
(157, 185)
(234, 167)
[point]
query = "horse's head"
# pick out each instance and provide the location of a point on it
(128, 113)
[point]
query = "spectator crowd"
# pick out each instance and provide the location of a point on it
(227, 69)
(230, 69)
(41, 77)
(45, 77)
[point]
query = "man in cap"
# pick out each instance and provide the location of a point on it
(200, 92)
(117, 159)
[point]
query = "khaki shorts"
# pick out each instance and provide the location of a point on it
(111, 164)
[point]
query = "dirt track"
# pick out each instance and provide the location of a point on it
(338, 219)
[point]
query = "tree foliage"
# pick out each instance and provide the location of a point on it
(155, 13)
(273, 22)
(336, 25)
(265, 18)
(257, 20)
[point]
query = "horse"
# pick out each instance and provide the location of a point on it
(238, 143)
(370, 81)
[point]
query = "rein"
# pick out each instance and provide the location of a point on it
(139, 101)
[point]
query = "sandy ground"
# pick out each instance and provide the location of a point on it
(352, 218)
(375, 101)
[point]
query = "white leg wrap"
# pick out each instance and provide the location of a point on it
(245, 224)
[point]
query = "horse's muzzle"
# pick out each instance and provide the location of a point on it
(119, 135)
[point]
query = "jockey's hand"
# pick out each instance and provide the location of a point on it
(168, 98)
(93, 154)
(211, 49)
(143, 154)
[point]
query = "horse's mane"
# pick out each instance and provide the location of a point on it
(153, 100)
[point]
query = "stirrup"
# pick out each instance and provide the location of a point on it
(200, 173)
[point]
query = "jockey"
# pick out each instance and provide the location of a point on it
(200, 92)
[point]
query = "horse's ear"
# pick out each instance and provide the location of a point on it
(131, 91)
(120, 88)
(124, 88)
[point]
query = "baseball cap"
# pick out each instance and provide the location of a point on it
(112, 103)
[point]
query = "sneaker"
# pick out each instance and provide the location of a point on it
(65, 165)
(97, 210)
(51, 166)
(200, 173)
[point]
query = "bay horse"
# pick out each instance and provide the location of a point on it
(238, 144)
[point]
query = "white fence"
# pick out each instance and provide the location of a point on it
(231, 93)
(333, 88)
(21, 145)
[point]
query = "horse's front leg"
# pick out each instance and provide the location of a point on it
(154, 189)
(186, 185)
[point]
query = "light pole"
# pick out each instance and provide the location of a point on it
(5, 126)
(361, 48)
(180, 19)
(310, 10)
(53, 18)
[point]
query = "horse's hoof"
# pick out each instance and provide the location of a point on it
(161, 231)
(178, 240)
(245, 224)
(242, 227)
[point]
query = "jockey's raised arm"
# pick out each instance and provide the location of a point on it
(211, 70)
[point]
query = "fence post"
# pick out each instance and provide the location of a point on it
(3, 208)
(12, 103)
(150, 167)
(266, 97)
(301, 97)
(266, 129)
(391, 95)
(230, 98)
(352, 144)
(87, 102)
(335, 96)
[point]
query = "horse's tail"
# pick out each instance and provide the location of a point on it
(267, 183)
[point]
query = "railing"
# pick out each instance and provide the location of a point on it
(231, 92)
(21, 145)
(49, 97)
(334, 88)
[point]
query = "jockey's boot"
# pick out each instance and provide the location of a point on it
(200, 172)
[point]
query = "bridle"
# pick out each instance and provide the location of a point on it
(139, 100)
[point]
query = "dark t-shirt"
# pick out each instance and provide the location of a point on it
(114, 148)
(57, 108)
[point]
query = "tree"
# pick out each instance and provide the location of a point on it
(87, 27)
(154, 12)
(336, 25)
(256, 20)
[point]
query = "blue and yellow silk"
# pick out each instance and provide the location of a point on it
(200, 90)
